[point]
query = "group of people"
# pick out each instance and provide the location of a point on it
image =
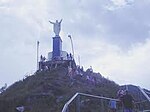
(126, 101)
(69, 56)
(43, 65)
(79, 71)
(73, 71)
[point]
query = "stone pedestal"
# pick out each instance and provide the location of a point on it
(57, 47)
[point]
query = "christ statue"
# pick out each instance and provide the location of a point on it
(56, 27)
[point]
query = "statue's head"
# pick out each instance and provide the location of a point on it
(56, 21)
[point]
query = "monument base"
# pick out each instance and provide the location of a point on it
(57, 47)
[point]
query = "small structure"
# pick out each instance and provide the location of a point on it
(57, 56)
(20, 109)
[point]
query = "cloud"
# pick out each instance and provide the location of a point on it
(117, 4)
(128, 24)
(111, 35)
(122, 67)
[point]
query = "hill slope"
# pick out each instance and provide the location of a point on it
(48, 91)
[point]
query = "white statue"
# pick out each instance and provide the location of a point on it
(56, 27)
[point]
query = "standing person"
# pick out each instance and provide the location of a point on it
(120, 94)
(127, 102)
(112, 105)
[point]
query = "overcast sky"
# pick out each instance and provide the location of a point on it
(112, 36)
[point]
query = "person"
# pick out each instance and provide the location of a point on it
(112, 105)
(127, 101)
(70, 55)
(67, 56)
(91, 70)
(56, 27)
(120, 94)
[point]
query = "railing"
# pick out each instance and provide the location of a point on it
(144, 106)
(82, 102)
(103, 102)
(145, 94)
(65, 108)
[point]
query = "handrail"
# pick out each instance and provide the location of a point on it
(147, 97)
(84, 94)
(66, 105)
(141, 101)
(146, 110)
(147, 92)
(100, 97)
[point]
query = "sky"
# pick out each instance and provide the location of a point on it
(112, 36)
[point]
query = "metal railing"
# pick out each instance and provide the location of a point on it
(145, 94)
(78, 101)
(144, 106)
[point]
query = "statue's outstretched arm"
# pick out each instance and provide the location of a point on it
(51, 22)
(60, 21)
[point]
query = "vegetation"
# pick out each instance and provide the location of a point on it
(48, 91)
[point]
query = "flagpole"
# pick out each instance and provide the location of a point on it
(79, 59)
(38, 55)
